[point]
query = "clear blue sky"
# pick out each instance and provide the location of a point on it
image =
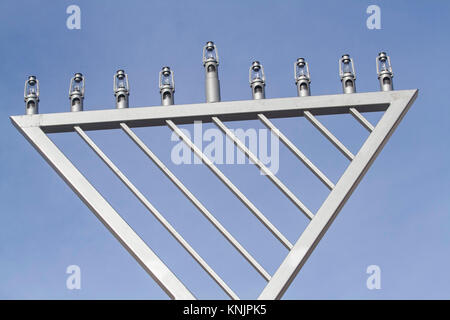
(398, 218)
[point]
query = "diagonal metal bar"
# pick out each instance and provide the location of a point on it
(138, 249)
(363, 121)
(156, 214)
(231, 186)
(195, 202)
(263, 168)
(296, 151)
(319, 126)
(326, 214)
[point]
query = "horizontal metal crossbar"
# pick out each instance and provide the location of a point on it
(264, 169)
(157, 214)
(227, 111)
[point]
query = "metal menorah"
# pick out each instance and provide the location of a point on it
(394, 104)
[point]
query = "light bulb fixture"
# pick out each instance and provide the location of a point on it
(302, 78)
(76, 92)
(257, 80)
(211, 64)
(31, 95)
(384, 71)
(210, 60)
(121, 89)
(347, 74)
(166, 86)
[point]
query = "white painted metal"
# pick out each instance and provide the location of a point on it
(316, 229)
(319, 126)
(264, 169)
(363, 121)
(231, 186)
(156, 214)
(35, 127)
(226, 111)
(104, 212)
(196, 202)
(296, 151)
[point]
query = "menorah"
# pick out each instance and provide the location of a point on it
(394, 104)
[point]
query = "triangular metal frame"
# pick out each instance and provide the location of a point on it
(337, 198)
(394, 103)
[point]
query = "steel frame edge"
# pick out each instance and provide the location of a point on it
(337, 198)
(131, 241)
(395, 103)
(226, 111)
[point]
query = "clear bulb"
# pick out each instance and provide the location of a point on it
(165, 79)
(121, 83)
(301, 70)
(210, 53)
(31, 88)
(346, 67)
(77, 86)
(257, 74)
(384, 66)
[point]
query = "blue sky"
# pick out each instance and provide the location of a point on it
(398, 217)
